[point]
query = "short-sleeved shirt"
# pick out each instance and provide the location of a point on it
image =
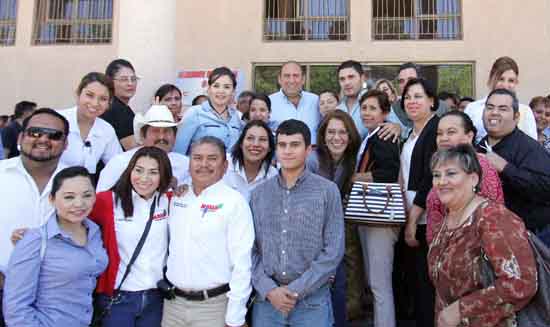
(9, 138)
(121, 117)
(100, 144)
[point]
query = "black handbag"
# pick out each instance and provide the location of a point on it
(115, 298)
(537, 312)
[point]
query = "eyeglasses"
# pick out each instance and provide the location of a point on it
(341, 133)
(127, 79)
(37, 132)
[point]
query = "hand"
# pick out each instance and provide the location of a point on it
(181, 190)
(450, 316)
(156, 100)
(282, 299)
(390, 131)
(496, 161)
(17, 235)
(410, 235)
(363, 177)
(2, 280)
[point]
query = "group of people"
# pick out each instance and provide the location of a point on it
(223, 215)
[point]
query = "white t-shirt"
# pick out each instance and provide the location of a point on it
(406, 155)
(101, 143)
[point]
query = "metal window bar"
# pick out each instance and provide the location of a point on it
(73, 22)
(306, 20)
(8, 22)
(417, 20)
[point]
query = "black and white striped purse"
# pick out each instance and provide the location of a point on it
(376, 204)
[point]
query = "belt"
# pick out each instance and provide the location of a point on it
(202, 295)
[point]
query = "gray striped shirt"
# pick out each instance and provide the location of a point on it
(299, 233)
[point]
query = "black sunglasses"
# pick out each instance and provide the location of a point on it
(52, 134)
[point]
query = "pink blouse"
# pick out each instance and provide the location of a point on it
(491, 188)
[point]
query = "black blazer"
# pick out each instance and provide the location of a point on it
(420, 174)
(384, 157)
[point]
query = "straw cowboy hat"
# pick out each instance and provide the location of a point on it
(156, 116)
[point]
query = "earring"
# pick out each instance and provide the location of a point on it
(474, 189)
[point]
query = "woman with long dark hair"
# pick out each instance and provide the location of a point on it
(129, 297)
(251, 157)
(334, 158)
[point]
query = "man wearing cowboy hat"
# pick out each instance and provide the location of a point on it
(156, 128)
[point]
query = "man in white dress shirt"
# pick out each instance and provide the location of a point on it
(26, 179)
(211, 237)
(156, 128)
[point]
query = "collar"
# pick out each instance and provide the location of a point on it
(209, 189)
(502, 143)
(262, 173)
(286, 97)
(300, 180)
(137, 198)
(343, 103)
(206, 107)
(73, 123)
(373, 132)
(16, 164)
(53, 229)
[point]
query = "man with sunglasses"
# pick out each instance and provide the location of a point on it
(26, 179)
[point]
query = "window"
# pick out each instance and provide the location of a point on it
(8, 15)
(306, 20)
(73, 21)
(416, 20)
(457, 78)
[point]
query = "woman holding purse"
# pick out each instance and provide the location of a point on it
(133, 216)
(378, 161)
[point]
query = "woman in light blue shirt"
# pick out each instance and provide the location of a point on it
(52, 271)
(214, 117)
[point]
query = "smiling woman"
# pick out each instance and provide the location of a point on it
(91, 139)
(214, 117)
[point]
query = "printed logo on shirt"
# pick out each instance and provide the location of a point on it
(160, 215)
(179, 204)
(206, 208)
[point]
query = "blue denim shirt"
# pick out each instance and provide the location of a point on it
(355, 113)
(57, 289)
(307, 111)
(203, 121)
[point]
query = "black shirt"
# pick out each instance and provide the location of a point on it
(525, 179)
(121, 117)
(9, 138)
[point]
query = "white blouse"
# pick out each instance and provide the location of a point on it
(101, 143)
(235, 177)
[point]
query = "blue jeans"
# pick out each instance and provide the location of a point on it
(338, 296)
(314, 310)
(135, 309)
(544, 235)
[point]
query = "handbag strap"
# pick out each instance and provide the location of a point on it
(389, 196)
(139, 246)
(365, 158)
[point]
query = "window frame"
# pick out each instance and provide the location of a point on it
(275, 37)
(10, 22)
(41, 17)
(416, 19)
